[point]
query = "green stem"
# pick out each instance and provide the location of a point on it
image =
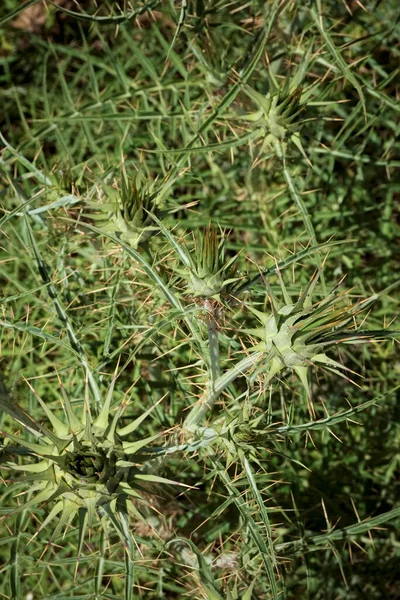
(304, 213)
(201, 408)
(314, 542)
(214, 349)
(267, 553)
(107, 20)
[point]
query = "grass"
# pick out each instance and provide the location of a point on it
(199, 272)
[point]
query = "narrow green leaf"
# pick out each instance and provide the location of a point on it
(102, 420)
(339, 417)
(60, 428)
(253, 529)
(98, 581)
(34, 331)
(133, 447)
(10, 406)
(135, 424)
(57, 508)
(40, 449)
(313, 542)
(74, 424)
(261, 506)
(158, 479)
(83, 525)
(343, 66)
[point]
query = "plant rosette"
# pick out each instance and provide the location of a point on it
(294, 335)
(83, 465)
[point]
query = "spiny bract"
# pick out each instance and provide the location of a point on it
(84, 465)
(209, 273)
(294, 334)
(129, 212)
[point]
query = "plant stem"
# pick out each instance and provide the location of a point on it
(304, 213)
(214, 349)
(312, 542)
(266, 552)
(204, 405)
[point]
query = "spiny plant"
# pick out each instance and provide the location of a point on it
(160, 92)
(278, 118)
(128, 209)
(84, 466)
(294, 334)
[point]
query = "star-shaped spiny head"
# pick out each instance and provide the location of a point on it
(81, 465)
(210, 273)
(279, 113)
(131, 201)
(295, 334)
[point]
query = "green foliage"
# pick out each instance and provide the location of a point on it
(199, 272)
(294, 334)
(128, 214)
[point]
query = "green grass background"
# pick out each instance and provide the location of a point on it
(79, 97)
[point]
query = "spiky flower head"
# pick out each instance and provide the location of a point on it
(295, 335)
(81, 466)
(210, 274)
(279, 110)
(128, 213)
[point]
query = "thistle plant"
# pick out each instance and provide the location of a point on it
(83, 465)
(295, 334)
(279, 110)
(221, 369)
(128, 210)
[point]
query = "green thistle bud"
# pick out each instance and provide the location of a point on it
(295, 334)
(132, 214)
(279, 111)
(128, 212)
(209, 273)
(82, 465)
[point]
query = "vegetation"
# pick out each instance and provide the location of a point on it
(199, 269)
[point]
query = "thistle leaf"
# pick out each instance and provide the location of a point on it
(40, 449)
(75, 425)
(16, 412)
(41, 497)
(157, 479)
(57, 508)
(83, 525)
(60, 428)
(135, 424)
(133, 447)
(101, 423)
